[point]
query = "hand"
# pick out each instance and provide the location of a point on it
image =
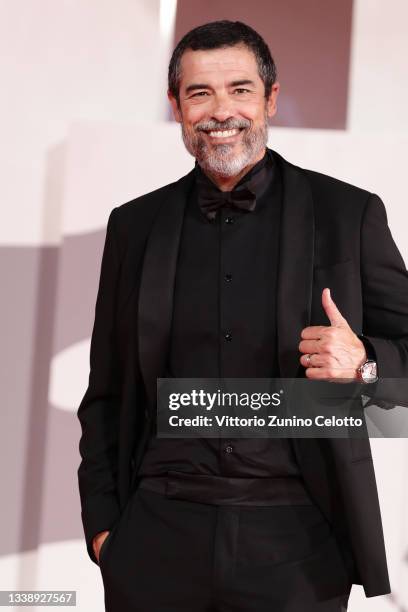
(98, 541)
(335, 351)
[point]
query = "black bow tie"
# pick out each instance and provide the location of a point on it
(213, 199)
(210, 198)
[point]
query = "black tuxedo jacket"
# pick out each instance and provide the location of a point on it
(332, 234)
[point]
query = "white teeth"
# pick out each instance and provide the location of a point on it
(224, 133)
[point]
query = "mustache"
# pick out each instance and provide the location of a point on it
(229, 124)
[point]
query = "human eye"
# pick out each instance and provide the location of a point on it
(200, 94)
(241, 90)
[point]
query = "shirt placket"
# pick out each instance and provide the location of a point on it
(228, 219)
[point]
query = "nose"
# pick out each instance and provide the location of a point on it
(222, 108)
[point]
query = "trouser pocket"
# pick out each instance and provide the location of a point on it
(103, 547)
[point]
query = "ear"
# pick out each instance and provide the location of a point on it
(174, 106)
(272, 102)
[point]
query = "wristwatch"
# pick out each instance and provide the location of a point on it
(367, 372)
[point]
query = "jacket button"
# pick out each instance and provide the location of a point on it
(228, 449)
(228, 336)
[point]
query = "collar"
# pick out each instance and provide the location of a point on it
(256, 180)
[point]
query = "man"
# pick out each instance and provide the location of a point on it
(226, 273)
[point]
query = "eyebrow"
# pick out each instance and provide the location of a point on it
(242, 82)
(195, 86)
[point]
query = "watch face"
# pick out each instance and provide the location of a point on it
(369, 371)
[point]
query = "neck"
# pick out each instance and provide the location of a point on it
(227, 183)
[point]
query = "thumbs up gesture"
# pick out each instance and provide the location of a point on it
(331, 352)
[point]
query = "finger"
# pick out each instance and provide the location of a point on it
(313, 332)
(330, 374)
(318, 361)
(305, 360)
(309, 346)
(333, 313)
(315, 373)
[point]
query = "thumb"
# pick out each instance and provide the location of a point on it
(333, 313)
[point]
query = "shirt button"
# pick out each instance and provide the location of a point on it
(229, 220)
(228, 277)
(228, 449)
(228, 336)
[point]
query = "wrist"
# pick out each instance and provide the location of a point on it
(370, 352)
(367, 371)
(362, 356)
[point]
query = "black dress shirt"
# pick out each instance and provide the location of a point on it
(224, 325)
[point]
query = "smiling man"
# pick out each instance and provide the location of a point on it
(226, 273)
(223, 108)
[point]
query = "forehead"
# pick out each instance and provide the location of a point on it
(216, 64)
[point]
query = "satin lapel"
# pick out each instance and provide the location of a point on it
(155, 305)
(295, 279)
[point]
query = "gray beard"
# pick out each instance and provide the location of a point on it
(220, 158)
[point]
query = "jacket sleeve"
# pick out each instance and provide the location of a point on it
(385, 306)
(99, 408)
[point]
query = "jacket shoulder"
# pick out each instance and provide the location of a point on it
(329, 184)
(326, 187)
(336, 199)
(138, 214)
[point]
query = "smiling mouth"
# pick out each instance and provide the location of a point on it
(223, 133)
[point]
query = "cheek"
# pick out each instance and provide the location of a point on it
(254, 112)
(193, 115)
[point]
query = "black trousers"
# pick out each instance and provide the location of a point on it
(170, 555)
